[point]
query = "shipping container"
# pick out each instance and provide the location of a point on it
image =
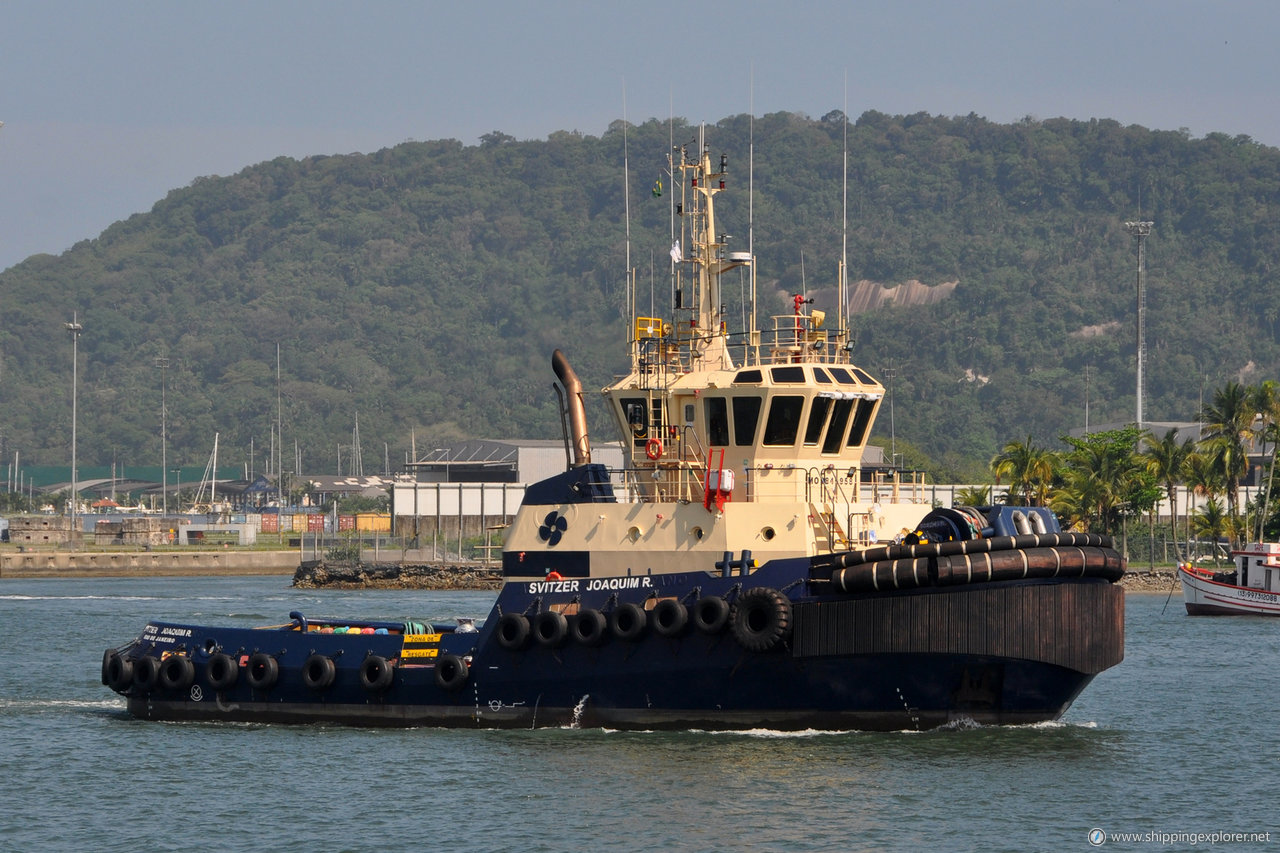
(373, 522)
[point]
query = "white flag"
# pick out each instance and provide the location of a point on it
(675, 252)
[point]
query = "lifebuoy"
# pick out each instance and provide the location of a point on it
(513, 631)
(653, 448)
(590, 627)
(711, 614)
(669, 617)
(177, 672)
(146, 673)
(627, 622)
(222, 671)
(760, 618)
(451, 672)
(376, 673)
(550, 629)
(318, 672)
(262, 671)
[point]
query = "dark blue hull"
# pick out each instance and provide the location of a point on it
(992, 653)
(839, 694)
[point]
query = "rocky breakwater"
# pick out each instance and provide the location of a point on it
(1142, 580)
(328, 575)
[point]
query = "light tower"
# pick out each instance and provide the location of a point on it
(162, 362)
(1141, 230)
(75, 329)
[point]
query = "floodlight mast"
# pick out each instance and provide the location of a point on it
(1141, 230)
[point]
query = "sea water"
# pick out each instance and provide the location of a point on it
(1179, 742)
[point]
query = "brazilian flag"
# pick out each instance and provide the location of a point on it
(657, 188)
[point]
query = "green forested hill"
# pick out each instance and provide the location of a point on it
(423, 287)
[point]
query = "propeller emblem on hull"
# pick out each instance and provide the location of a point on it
(553, 527)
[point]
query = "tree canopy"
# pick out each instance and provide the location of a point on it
(423, 287)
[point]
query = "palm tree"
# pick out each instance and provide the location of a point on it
(1165, 459)
(1228, 423)
(1104, 479)
(1029, 468)
(973, 496)
(1210, 522)
(1203, 480)
(1094, 490)
(1266, 399)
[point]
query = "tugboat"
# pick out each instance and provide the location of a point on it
(1252, 589)
(746, 568)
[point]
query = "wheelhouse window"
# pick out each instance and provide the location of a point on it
(783, 424)
(817, 420)
(839, 420)
(717, 421)
(792, 374)
(842, 376)
(820, 375)
(746, 414)
(753, 376)
(861, 422)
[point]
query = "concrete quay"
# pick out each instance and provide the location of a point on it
(29, 563)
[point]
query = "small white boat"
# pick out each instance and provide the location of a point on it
(1252, 588)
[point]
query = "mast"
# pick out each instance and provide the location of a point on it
(842, 294)
(708, 258)
(626, 195)
(753, 335)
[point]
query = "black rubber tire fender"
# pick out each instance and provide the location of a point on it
(669, 617)
(512, 631)
(711, 614)
(118, 673)
(222, 671)
(628, 621)
(262, 672)
(146, 673)
(550, 629)
(319, 672)
(451, 672)
(106, 663)
(590, 627)
(760, 618)
(376, 673)
(177, 672)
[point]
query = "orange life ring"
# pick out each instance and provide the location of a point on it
(653, 448)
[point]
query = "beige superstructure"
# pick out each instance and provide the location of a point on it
(751, 440)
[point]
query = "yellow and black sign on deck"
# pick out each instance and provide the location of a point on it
(420, 646)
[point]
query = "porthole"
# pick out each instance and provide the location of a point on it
(768, 533)
(634, 534)
(697, 533)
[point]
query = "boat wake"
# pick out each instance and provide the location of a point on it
(38, 705)
(82, 598)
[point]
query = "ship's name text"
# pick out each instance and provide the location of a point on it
(152, 634)
(593, 585)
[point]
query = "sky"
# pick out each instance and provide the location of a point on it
(109, 106)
